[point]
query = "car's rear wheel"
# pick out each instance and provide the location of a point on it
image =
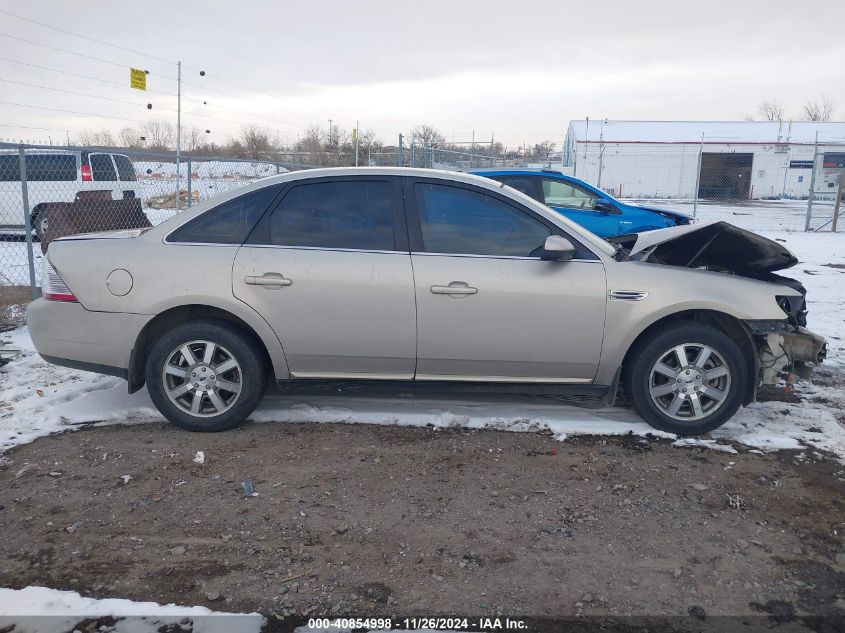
(206, 375)
(687, 379)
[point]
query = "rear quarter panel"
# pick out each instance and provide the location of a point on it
(164, 276)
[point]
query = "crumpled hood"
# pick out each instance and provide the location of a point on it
(715, 245)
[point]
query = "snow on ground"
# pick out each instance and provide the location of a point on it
(43, 610)
(38, 399)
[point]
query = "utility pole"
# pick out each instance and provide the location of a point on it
(698, 178)
(357, 134)
(178, 128)
(812, 184)
(330, 131)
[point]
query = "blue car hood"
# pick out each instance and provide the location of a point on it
(669, 213)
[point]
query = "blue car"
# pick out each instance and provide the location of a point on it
(582, 203)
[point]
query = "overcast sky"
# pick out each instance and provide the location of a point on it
(519, 69)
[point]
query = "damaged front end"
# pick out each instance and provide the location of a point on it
(785, 351)
(785, 348)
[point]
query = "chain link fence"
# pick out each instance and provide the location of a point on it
(765, 188)
(827, 184)
(49, 192)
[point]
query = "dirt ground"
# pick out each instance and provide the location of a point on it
(359, 519)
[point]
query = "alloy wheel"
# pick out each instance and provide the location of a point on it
(202, 378)
(689, 381)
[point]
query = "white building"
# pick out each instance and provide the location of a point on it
(735, 159)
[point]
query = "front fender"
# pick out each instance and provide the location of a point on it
(669, 291)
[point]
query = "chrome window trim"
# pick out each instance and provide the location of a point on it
(295, 248)
(518, 257)
(364, 250)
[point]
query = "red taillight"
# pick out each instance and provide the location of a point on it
(86, 173)
(52, 286)
(55, 296)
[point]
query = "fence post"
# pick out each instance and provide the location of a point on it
(838, 202)
(189, 183)
(27, 223)
(812, 184)
(399, 158)
(698, 178)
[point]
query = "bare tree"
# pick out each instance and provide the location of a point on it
(129, 137)
(818, 110)
(427, 135)
(771, 110)
(158, 135)
(92, 138)
(255, 142)
(192, 139)
(544, 150)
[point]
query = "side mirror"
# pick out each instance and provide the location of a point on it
(603, 205)
(558, 248)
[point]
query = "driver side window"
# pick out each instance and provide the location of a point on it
(558, 193)
(466, 222)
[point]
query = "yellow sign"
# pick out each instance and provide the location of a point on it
(354, 133)
(137, 79)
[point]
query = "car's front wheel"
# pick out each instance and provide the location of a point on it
(206, 375)
(687, 379)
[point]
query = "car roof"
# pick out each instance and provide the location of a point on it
(516, 171)
(41, 151)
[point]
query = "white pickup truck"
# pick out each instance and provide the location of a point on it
(58, 176)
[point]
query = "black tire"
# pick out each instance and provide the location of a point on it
(252, 374)
(638, 378)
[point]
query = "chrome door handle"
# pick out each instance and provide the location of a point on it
(273, 280)
(457, 288)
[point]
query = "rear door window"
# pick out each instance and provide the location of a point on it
(125, 169)
(39, 167)
(525, 184)
(102, 167)
(352, 214)
(10, 168)
(228, 223)
(559, 193)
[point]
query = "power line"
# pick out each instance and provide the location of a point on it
(85, 37)
(64, 50)
(135, 103)
(242, 87)
(116, 83)
(29, 127)
(102, 116)
(72, 74)
(116, 46)
(74, 92)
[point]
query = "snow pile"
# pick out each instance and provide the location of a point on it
(43, 610)
(207, 169)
